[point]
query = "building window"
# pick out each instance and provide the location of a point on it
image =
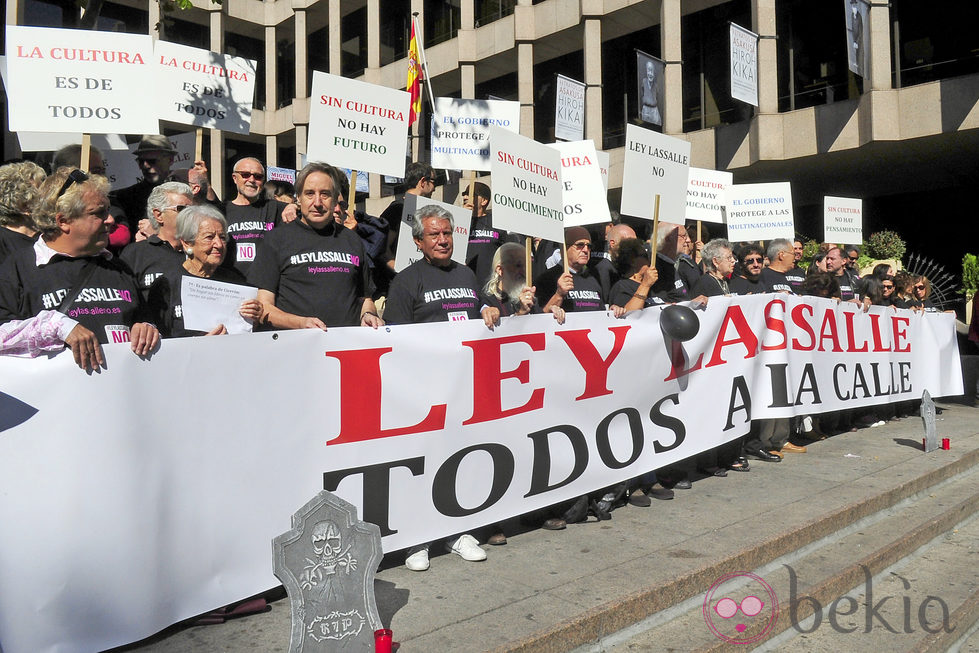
(934, 41)
(489, 10)
(619, 93)
(395, 29)
(442, 18)
(353, 46)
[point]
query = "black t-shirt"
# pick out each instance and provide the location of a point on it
(709, 286)
(605, 272)
(586, 295)
(624, 289)
(774, 281)
(166, 304)
(314, 273)
(688, 272)
(847, 289)
(668, 284)
(11, 241)
(148, 259)
(795, 277)
(423, 292)
(484, 240)
(247, 226)
(742, 286)
(108, 305)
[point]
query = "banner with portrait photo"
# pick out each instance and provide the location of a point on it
(858, 36)
(649, 88)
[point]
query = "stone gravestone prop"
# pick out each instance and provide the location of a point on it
(928, 416)
(327, 563)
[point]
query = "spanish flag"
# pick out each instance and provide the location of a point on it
(414, 83)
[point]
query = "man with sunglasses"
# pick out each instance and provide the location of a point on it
(150, 258)
(578, 289)
(251, 215)
(154, 154)
(747, 278)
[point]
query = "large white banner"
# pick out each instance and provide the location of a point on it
(842, 220)
(408, 252)
(203, 88)
(583, 190)
(707, 194)
(569, 109)
(526, 186)
(70, 80)
(358, 125)
(654, 164)
(120, 521)
(461, 131)
(744, 65)
(760, 212)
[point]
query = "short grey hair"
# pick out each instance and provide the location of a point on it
(158, 198)
(189, 220)
(430, 211)
(776, 246)
(712, 250)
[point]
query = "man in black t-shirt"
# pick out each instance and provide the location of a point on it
(835, 266)
(419, 180)
(150, 258)
(748, 282)
(781, 261)
(577, 289)
(251, 215)
(154, 155)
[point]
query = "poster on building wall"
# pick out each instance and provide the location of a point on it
(707, 194)
(654, 164)
(582, 188)
(649, 81)
(357, 125)
(526, 186)
(569, 110)
(842, 220)
(461, 129)
(858, 36)
(759, 212)
(408, 252)
(68, 80)
(203, 88)
(744, 65)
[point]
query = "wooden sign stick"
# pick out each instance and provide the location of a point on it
(696, 252)
(352, 200)
(86, 152)
(564, 250)
(199, 144)
(652, 239)
(528, 277)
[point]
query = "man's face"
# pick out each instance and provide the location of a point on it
(249, 178)
(797, 251)
(514, 277)
(426, 186)
(752, 265)
(89, 231)
(167, 217)
(467, 203)
(316, 200)
(155, 165)
(851, 259)
(579, 253)
(683, 242)
(436, 241)
(834, 261)
(650, 71)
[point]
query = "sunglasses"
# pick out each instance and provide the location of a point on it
(888, 286)
(919, 287)
(751, 606)
(582, 244)
(75, 175)
(244, 174)
(749, 261)
(853, 258)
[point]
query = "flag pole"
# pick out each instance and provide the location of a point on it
(424, 61)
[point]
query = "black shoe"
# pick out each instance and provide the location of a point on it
(675, 483)
(763, 455)
(578, 512)
(662, 494)
(639, 498)
(600, 513)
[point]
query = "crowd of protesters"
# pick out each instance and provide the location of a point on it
(71, 278)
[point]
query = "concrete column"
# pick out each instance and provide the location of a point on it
(763, 24)
(15, 12)
(525, 88)
(271, 150)
(670, 37)
(335, 39)
(593, 80)
(880, 47)
(271, 103)
(372, 73)
(302, 72)
(301, 136)
(215, 164)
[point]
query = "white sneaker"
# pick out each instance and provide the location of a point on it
(467, 548)
(417, 558)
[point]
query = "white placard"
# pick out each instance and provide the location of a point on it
(603, 164)
(359, 125)
(569, 110)
(527, 186)
(203, 88)
(582, 189)
(707, 194)
(759, 212)
(655, 164)
(842, 220)
(408, 253)
(122, 170)
(70, 80)
(281, 174)
(207, 303)
(461, 131)
(744, 65)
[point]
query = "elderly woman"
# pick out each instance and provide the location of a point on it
(718, 260)
(69, 270)
(202, 232)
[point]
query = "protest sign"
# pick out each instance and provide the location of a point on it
(569, 109)
(760, 212)
(655, 164)
(744, 65)
(203, 88)
(281, 174)
(408, 253)
(363, 181)
(603, 164)
(707, 194)
(526, 186)
(582, 190)
(206, 303)
(121, 168)
(842, 220)
(358, 125)
(69, 80)
(461, 131)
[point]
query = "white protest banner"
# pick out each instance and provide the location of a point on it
(759, 212)
(655, 164)
(526, 186)
(707, 194)
(444, 458)
(203, 88)
(603, 164)
(744, 65)
(72, 80)
(569, 110)
(358, 125)
(408, 253)
(582, 190)
(842, 220)
(281, 174)
(206, 303)
(461, 131)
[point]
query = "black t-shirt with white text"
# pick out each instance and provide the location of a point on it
(148, 259)
(775, 281)
(423, 292)
(166, 304)
(247, 227)
(587, 294)
(484, 240)
(796, 276)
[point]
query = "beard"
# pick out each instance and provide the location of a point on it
(512, 287)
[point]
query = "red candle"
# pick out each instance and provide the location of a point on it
(946, 445)
(382, 640)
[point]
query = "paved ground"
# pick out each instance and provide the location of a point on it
(572, 582)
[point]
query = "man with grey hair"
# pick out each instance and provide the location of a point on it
(251, 215)
(150, 258)
(781, 260)
(672, 240)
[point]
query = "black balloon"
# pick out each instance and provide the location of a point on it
(679, 322)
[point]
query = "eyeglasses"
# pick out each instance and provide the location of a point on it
(245, 174)
(148, 159)
(749, 261)
(582, 244)
(751, 606)
(919, 287)
(74, 176)
(177, 208)
(853, 258)
(888, 286)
